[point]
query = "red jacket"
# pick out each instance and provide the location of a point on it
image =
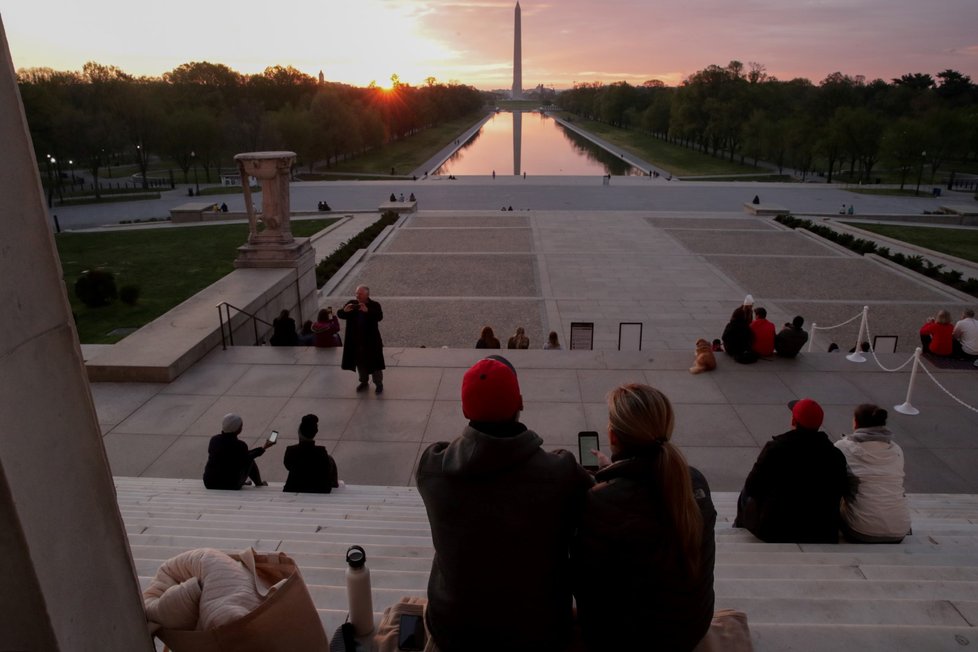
(940, 337)
(763, 337)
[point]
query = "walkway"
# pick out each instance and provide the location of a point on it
(443, 275)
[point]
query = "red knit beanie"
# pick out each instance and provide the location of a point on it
(490, 391)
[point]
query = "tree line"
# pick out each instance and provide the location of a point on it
(842, 125)
(201, 114)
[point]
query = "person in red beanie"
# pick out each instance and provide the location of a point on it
(502, 512)
(792, 494)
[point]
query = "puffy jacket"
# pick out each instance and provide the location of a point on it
(879, 507)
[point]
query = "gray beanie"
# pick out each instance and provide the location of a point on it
(231, 423)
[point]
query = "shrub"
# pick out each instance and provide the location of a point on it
(916, 263)
(129, 294)
(96, 287)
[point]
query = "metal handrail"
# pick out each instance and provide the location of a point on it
(230, 337)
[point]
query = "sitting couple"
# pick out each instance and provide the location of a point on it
(231, 465)
(519, 530)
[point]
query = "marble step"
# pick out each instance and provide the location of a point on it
(775, 637)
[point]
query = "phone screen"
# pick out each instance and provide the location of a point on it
(586, 442)
(411, 634)
(273, 437)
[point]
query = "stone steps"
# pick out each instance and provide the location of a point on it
(921, 594)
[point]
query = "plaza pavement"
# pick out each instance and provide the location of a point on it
(442, 274)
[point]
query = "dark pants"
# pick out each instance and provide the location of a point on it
(250, 472)
(958, 352)
(365, 373)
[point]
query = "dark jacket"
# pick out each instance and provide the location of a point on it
(311, 469)
(737, 338)
(789, 341)
(631, 586)
(502, 512)
(362, 342)
(228, 461)
(283, 332)
(792, 494)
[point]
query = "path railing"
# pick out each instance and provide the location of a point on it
(866, 337)
(224, 316)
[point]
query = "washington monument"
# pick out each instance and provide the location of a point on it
(517, 58)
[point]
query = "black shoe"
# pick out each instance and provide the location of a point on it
(362, 387)
(380, 389)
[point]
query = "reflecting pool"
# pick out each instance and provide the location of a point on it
(517, 142)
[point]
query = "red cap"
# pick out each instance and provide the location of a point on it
(490, 391)
(807, 414)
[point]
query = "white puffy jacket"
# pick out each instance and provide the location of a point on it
(880, 507)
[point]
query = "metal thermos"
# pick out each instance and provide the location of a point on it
(358, 591)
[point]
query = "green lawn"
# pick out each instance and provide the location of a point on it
(680, 161)
(962, 243)
(168, 264)
(407, 154)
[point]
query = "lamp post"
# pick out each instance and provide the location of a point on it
(50, 182)
(193, 157)
(57, 174)
(920, 172)
(71, 173)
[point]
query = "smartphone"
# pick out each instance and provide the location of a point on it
(272, 438)
(587, 441)
(411, 635)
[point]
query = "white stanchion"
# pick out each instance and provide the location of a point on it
(906, 407)
(811, 340)
(857, 355)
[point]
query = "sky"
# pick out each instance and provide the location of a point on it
(471, 41)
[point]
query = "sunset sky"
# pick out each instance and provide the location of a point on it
(471, 41)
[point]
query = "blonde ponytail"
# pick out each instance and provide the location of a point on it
(642, 419)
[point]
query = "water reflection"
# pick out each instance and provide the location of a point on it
(538, 145)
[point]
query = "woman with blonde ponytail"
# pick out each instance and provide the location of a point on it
(644, 553)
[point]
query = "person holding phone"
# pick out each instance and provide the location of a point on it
(644, 552)
(326, 329)
(229, 462)
(363, 349)
(311, 469)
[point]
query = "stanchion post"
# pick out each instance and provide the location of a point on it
(857, 354)
(906, 407)
(811, 340)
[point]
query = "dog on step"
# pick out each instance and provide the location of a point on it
(705, 360)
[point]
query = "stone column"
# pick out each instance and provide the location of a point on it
(68, 577)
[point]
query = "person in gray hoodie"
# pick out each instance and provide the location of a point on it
(502, 512)
(878, 511)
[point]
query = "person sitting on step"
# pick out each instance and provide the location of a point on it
(877, 512)
(229, 462)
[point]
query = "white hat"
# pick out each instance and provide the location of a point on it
(749, 300)
(231, 423)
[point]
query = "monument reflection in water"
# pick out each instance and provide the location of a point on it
(517, 142)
